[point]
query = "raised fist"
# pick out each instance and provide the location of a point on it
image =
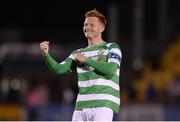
(44, 46)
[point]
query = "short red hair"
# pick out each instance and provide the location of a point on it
(95, 13)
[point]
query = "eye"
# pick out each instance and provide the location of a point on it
(92, 25)
(87, 24)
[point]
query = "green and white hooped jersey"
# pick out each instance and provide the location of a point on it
(94, 89)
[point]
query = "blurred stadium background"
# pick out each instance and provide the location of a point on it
(148, 32)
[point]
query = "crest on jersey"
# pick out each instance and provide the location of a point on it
(100, 54)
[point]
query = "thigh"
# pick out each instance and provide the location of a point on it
(77, 115)
(103, 114)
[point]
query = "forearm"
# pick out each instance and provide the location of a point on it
(54, 66)
(108, 69)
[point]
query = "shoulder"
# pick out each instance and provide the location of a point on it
(112, 45)
(114, 48)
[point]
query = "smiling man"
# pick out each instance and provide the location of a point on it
(98, 67)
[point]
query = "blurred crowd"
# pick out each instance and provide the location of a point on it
(160, 84)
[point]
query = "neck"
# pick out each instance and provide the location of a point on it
(94, 42)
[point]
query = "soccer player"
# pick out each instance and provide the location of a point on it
(98, 67)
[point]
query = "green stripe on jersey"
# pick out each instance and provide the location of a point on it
(88, 76)
(113, 45)
(99, 89)
(97, 103)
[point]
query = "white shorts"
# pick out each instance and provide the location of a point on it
(93, 114)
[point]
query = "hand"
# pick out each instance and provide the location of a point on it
(44, 46)
(81, 58)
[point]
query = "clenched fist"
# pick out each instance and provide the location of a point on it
(44, 46)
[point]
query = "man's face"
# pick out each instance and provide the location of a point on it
(92, 27)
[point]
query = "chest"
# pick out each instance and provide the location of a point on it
(97, 55)
(100, 54)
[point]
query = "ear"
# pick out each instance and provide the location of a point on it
(102, 28)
